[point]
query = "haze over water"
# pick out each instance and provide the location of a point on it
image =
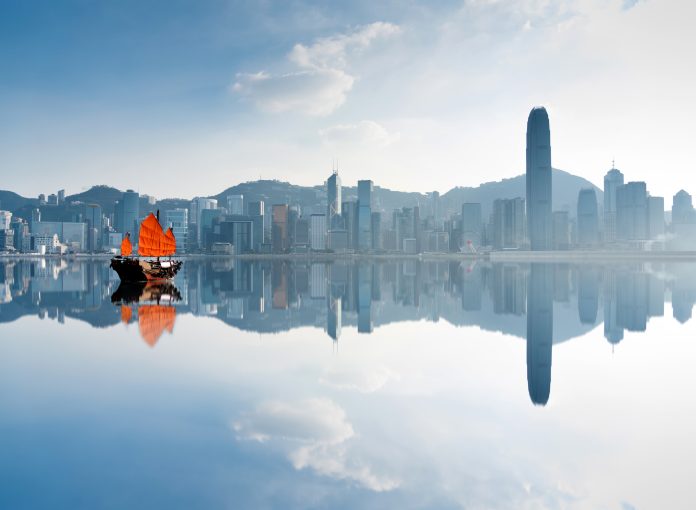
(400, 384)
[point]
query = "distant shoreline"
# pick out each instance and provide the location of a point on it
(495, 256)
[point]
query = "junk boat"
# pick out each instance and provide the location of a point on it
(153, 243)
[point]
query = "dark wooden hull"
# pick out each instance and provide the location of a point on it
(140, 270)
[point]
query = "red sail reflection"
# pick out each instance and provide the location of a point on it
(154, 304)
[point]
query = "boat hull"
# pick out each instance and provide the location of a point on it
(139, 270)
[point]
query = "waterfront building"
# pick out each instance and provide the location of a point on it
(235, 204)
(333, 196)
(93, 218)
(538, 180)
(364, 226)
(178, 220)
(279, 233)
(257, 215)
(588, 218)
(128, 213)
(472, 224)
(376, 230)
(656, 217)
(318, 232)
(561, 230)
(632, 212)
(612, 180)
(349, 213)
(196, 208)
(508, 223)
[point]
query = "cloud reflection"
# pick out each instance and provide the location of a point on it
(318, 435)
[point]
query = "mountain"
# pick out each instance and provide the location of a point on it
(103, 195)
(565, 193)
(10, 201)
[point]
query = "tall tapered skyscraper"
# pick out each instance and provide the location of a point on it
(333, 195)
(539, 180)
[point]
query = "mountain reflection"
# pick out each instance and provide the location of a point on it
(544, 303)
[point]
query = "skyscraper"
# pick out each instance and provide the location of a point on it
(279, 234)
(235, 204)
(472, 225)
(257, 214)
(612, 181)
(539, 179)
(632, 212)
(333, 195)
(178, 220)
(588, 221)
(364, 215)
(129, 213)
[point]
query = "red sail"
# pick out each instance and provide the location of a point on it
(151, 242)
(126, 247)
(170, 241)
(154, 320)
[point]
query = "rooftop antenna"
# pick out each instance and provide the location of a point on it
(613, 165)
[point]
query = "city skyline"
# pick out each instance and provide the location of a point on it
(392, 93)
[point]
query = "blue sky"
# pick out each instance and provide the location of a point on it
(182, 98)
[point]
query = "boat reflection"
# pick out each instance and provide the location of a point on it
(153, 302)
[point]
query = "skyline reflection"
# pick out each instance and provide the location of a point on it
(543, 303)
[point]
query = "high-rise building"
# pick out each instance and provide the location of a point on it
(682, 208)
(318, 232)
(333, 196)
(235, 204)
(196, 208)
(129, 213)
(561, 230)
(508, 223)
(632, 212)
(538, 177)
(656, 217)
(61, 197)
(376, 230)
(178, 220)
(365, 215)
(257, 214)
(279, 234)
(5, 220)
(22, 235)
(588, 219)
(349, 214)
(612, 181)
(472, 224)
(93, 218)
(436, 208)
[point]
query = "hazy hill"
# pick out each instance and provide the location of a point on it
(10, 201)
(565, 192)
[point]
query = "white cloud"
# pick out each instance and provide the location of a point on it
(332, 52)
(321, 83)
(363, 132)
(317, 92)
(319, 435)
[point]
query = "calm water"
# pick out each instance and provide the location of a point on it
(385, 385)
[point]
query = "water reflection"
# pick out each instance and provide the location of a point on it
(153, 303)
(544, 303)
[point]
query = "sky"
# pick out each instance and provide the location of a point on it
(178, 99)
